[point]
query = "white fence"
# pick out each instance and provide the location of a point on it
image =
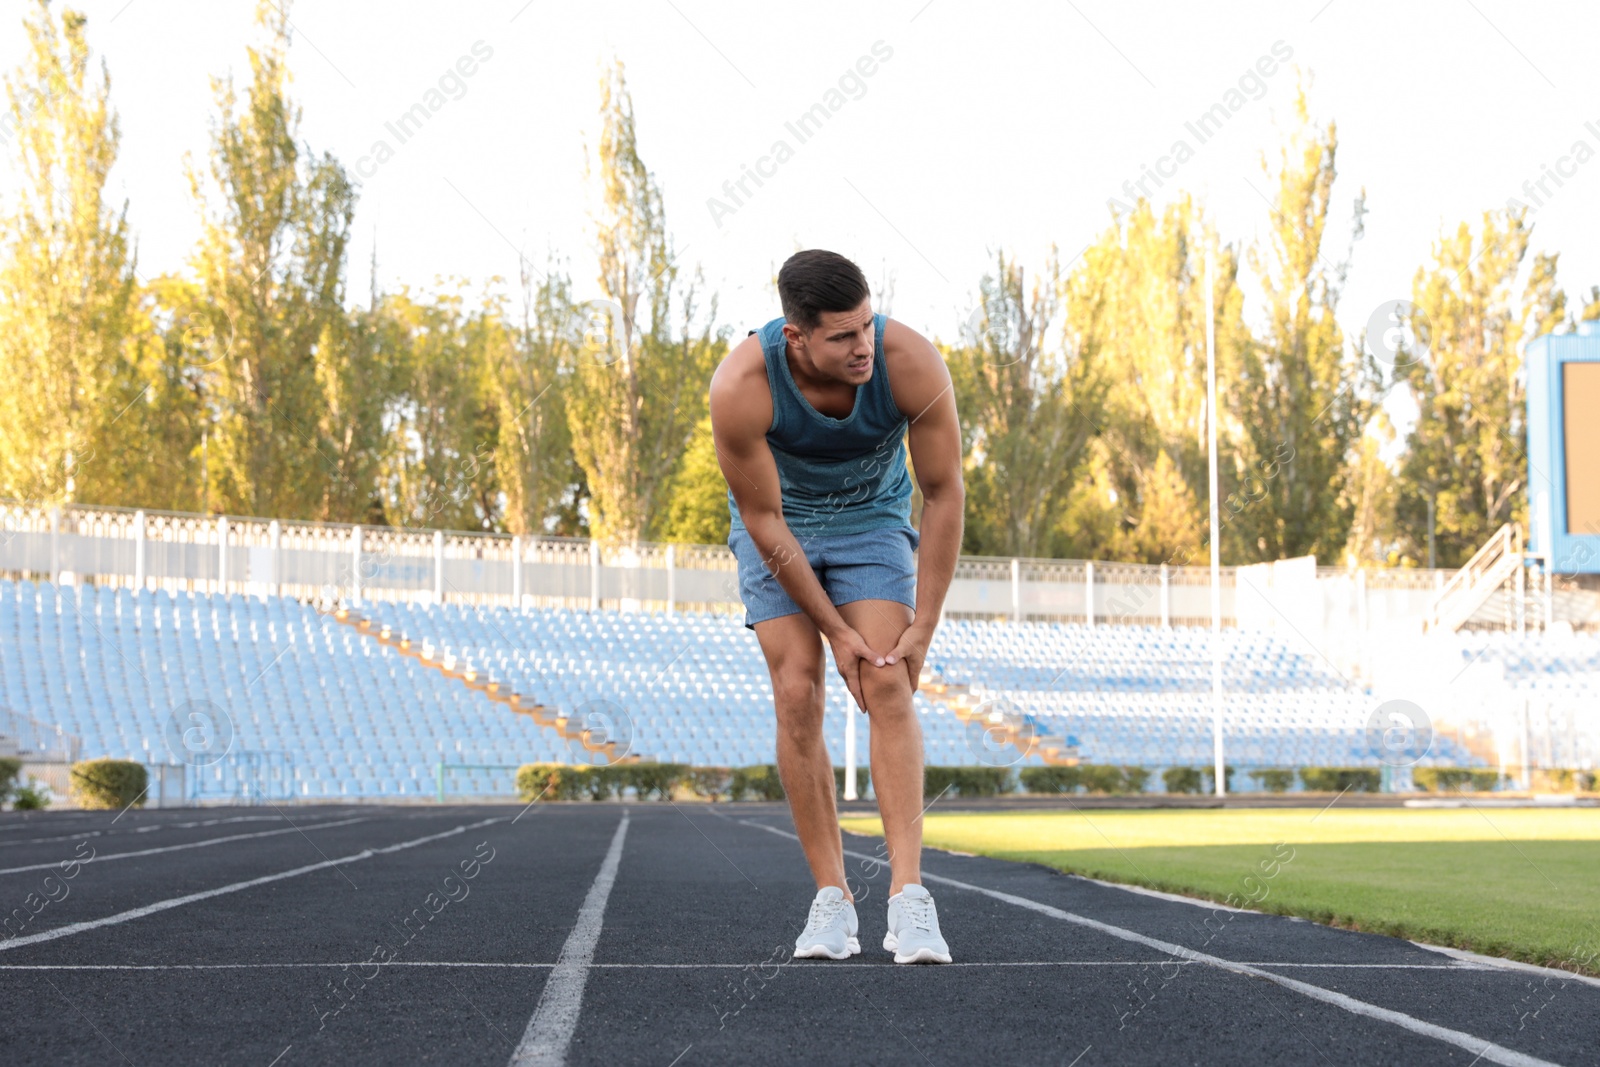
(331, 562)
(32, 740)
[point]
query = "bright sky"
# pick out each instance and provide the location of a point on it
(1001, 125)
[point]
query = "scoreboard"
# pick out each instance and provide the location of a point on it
(1564, 449)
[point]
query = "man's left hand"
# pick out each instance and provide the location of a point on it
(913, 651)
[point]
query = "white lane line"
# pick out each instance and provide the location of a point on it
(141, 829)
(190, 898)
(190, 844)
(1500, 963)
(820, 968)
(1176, 898)
(1484, 1050)
(544, 1043)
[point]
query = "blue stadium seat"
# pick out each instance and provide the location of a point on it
(360, 720)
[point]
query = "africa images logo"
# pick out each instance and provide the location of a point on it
(803, 128)
(1399, 733)
(199, 733)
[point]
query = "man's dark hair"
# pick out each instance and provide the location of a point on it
(815, 281)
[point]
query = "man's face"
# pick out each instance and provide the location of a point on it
(841, 347)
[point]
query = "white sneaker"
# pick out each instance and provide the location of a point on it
(913, 934)
(830, 931)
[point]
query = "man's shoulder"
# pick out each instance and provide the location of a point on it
(744, 363)
(917, 373)
(904, 342)
(739, 387)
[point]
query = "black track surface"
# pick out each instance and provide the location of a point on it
(692, 964)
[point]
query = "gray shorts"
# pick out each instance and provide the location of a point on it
(873, 565)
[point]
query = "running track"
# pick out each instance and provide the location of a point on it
(659, 934)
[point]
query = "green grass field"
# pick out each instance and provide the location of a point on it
(1518, 883)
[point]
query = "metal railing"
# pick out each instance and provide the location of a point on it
(34, 741)
(1499, 560)
(339, 563)
(243, 777)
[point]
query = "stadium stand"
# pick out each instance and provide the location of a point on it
(1555, 662)
(349, 716)
(1141, 695)
(684, 688)
(1535, 693)
(698, 692)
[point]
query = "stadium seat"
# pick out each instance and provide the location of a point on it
(350, 717)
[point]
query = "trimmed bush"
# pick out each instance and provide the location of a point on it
(654, 778)
(966, 781)
(863, 780)
(1050, 779)
(1566, 780)
(31, 797)
(1093, 777)
(760, 782)
(1101, 777)
(594, 782)
(986, 781)
(1484, 779)
(939, 781)
(10, 767)
(1442, 779)
(1209, 774)
(1110, 778)
(1181, 779)
(108, 783)
(561, 781)
(1456, 779)
(1339, 779)
(531, 780)
(709, 782)
(549, 781)
(1275, 780)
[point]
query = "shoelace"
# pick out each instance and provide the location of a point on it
(918, 911)
(823, 912)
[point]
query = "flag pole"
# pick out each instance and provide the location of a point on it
(1218, 774)
(850, 714)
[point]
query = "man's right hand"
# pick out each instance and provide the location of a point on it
(848, 651)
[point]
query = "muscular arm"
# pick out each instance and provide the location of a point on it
(923, 393)
(741, 412)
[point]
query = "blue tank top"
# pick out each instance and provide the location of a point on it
(837, 476)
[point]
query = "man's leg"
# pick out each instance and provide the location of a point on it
(896, 737)
(793, 649)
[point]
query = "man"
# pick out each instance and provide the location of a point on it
(811, 416)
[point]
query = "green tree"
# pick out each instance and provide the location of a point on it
(1137, 298)
(1030, 398)
(438, 466)
(1167, 529)
(697, 502)
(1371, 499)
(73, 339)
(639, 387)
(171, 472)
(525, 372)
(1466, 453)
(288, 435)
(1302, 398)
(1591, 306)
(356, 378)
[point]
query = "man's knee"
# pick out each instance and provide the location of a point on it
(798, 697)
(886, 688)
(798, 689)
